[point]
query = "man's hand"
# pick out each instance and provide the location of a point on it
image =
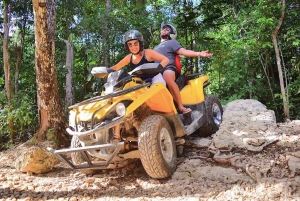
(204, 54)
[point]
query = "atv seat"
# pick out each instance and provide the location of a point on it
(182, 79)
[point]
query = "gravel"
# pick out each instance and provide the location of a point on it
(204, 172)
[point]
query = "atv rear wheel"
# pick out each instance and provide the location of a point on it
(214, 113)
(77, 157)
(157, 147)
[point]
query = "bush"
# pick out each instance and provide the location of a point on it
(24, 114)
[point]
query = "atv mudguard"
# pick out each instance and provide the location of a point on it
(192, 93)
(157, 98)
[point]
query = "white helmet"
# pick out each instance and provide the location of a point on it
(173, 32)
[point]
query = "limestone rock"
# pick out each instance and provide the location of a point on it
(293, 163)
(247, 124)
(36, 160)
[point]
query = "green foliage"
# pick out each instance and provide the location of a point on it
(24, 115)
(51, 135)
(32, 140)
(4, 129)
(1, 81)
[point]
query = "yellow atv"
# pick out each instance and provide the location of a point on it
(133, 119)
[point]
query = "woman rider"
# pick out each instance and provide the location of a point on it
(134, 43)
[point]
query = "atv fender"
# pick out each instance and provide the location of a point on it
(157, 98)
(193, 93)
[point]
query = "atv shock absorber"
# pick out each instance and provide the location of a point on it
(117, 132)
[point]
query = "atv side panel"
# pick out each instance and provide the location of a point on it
(157, 98)
(192, 93)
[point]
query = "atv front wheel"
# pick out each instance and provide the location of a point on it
(77, 157)
(214, 113)
(157, 147)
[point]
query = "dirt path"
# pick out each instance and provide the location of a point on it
(203, 173)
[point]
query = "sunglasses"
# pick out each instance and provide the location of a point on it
(166, 28)
(136, 43)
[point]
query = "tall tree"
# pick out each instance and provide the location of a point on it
(282, 83)
(69, 77)
(105, 33)
(7, 68)
(22, 12)
(51, 115)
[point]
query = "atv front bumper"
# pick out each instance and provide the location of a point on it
(100, 164)
(88, 164)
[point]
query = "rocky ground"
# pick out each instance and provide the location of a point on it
(251, 157)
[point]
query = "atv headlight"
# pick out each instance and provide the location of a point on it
(121, 109)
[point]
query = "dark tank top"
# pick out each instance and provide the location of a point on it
(142, 61)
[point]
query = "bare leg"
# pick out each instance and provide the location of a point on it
(169, 77)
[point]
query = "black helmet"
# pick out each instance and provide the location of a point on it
(133, 35)
(173, 33)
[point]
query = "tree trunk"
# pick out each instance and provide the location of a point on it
(18, 51)
(282, 85)
(69, 77)
(51, 116)
(19, 48)
(105, 34)
(6, 64)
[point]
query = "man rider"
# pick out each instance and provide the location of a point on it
(169, 47)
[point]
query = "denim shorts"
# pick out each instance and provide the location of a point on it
(172, 68)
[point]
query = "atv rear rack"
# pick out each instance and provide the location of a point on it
(89, 164)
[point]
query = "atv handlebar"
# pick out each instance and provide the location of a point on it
(101, 71)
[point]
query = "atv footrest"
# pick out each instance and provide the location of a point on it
(89, 163)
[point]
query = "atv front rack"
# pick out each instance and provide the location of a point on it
(89, 164)
(116, 121)
(114, 94)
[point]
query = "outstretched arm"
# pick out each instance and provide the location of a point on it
(125, 61)
(191, 53)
